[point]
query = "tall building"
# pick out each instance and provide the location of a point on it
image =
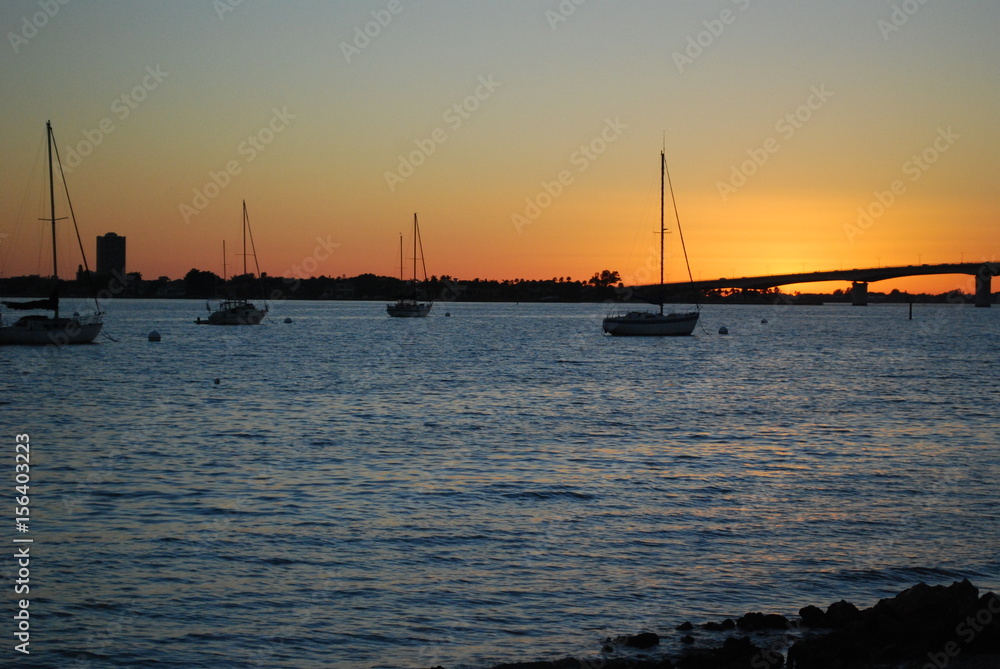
(111, 254)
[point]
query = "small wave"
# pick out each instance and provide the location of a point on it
(930, 573)
(277, 561)
(82, 657)
(905, 575)
(547, 494)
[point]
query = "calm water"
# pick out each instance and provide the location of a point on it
(505, 484)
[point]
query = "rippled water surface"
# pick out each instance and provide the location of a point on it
(503, 484)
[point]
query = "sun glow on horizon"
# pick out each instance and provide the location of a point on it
(890, 167)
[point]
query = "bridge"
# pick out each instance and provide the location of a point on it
(859, 278)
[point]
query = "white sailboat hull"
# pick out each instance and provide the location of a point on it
(47, 331)
(649, 324)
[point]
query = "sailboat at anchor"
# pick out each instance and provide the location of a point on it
(43, 330)
(411, 307)
(648, 323)
(238, 311)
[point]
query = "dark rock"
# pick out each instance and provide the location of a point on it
(920, 622)
(841, 613)
(724, 626)
(687, 638)
(985, 624)
(813, 616)
(754, 621)
(913, 604)
(643, 640)
(685, 626)
(565, 663)
(736, 653)
(607, 663)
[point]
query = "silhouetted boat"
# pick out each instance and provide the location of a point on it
(411, 307)
(648, 323)
(42, 330)
(239, 311)
(235, 312)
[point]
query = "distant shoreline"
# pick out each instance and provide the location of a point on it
(198, 285)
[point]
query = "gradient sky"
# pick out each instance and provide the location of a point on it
(782, 121)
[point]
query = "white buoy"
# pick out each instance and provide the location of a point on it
(723, 330)
(154, 336)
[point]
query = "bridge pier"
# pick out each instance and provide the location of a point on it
(859, 293)
(984, 293)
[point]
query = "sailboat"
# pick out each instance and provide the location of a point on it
(43, 330)
(238, 311)
(648, 323)
(411, 307)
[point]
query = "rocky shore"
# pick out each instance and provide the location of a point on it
(923, 627)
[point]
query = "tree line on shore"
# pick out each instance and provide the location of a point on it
(603, 286)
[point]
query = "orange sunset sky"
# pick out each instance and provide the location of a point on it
(801, 135)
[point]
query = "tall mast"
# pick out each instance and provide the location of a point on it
(414, 250)
(416, 294)
(52, 200)
(663, 166)
(401, 256)
(677, 217)
(224, 277)
(52, 209)
(423, 258)
(244, 237)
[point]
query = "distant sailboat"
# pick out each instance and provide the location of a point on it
(648, 323)
(239, 311)
(39, 330)
(411, 307)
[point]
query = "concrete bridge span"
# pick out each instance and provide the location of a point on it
(859, 278)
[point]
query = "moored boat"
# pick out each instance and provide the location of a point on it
(649, 323)
(411, 306)
(238, 311)
(55, 330)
